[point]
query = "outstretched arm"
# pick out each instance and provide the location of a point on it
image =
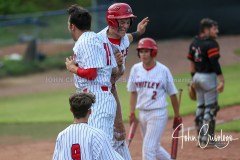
(141, 28)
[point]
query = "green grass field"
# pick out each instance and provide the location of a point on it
(237, 51)
(233, 126)
(50, 31)
(33, 131)
(53, 106)
(55, 27)
(28, 114)
(39, 107)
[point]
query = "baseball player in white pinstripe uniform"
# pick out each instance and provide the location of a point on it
(92, 65)
(81, 141)
(119, 18)
(149, 83)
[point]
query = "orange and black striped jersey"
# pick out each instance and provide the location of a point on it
(205, 52)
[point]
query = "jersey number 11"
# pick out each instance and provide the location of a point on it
(108, 54)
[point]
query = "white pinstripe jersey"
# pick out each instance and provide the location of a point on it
(82, 142)
(151, 86)
(91, 52)
(123, 47)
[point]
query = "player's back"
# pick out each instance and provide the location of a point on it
(201, 51)
(82, 142)
(89, 52)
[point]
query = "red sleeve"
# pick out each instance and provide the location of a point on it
(90, 73)
(213, 50)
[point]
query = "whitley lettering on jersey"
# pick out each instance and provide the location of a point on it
(146, 84)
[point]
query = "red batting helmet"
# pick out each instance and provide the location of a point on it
(148, 43)
(118, 11)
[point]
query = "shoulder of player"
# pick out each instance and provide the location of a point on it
(64, 132)
(88, 37)
(73, 127)
(125, 38)
(125, 41)
(212, 41)
(102, 35)
(196, 40)
(103, 31)
(162, 66)
(97, 132)
(93, 40)
(137, 66)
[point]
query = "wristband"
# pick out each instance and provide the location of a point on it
(136, 35)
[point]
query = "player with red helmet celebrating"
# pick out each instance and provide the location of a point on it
(117, 12)
(119, 18)
(149, 83)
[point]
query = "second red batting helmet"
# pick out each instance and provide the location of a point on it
(148, 43)
(118, 11)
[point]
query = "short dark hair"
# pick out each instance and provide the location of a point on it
(80, 17)
(207, 23)
(80, 104)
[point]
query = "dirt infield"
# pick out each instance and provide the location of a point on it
(26, 149)
(48, 48)
(189, 150)
(41, 82)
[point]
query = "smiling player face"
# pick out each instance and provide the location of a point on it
(124, 25)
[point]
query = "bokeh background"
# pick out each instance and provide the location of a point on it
(35, 86)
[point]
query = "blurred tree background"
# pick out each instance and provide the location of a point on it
(28, 6)
(34, 34)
